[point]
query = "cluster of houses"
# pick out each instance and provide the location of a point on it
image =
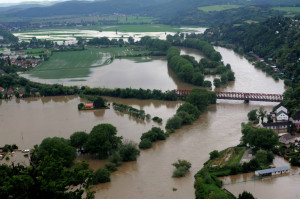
(282, 124)
(20, 58)
(10, 92)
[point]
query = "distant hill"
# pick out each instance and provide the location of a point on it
(141, 7)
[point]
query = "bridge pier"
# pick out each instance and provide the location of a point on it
(246, 101)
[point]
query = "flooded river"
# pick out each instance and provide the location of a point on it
(27, 122)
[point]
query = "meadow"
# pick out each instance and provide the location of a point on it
(77, 64)
(218, 8)
(288, 9)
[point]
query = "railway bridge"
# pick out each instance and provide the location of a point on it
(239, 96)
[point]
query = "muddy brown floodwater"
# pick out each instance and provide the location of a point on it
(27, 122)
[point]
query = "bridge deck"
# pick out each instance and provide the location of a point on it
(239, 96)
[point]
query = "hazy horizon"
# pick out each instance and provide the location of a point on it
(10, 2)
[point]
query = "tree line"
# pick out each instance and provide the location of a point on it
(195, 103)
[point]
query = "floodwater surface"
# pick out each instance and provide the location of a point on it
(27, 122)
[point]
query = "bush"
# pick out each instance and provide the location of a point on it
(252, 116)
(128, 151)
(80, 106)
(214, 154)
(190, 109)
(179, 172)
(182, 167)
(102, 175)
(207, 84)
(186, 118)
(154, 134)
(246, 195)
(217, 82)
(115, 158)
(174, 123)
(145, 144)
(157, 119)
(112, 167)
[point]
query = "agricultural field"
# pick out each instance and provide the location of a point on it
(288, 9)
(218, 8)
(77, 64)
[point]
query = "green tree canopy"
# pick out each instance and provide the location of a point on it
(56, 147)
(260, 138)
(103, 140)
(78, 139)
(201, 98)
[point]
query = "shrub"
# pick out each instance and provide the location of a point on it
(190, 109)
(112, 167)
(128, 151)
(182, 167)
(80, 106)
(252, 116)
(145, 144)
(157, 119)
(186, 118)
(207, 84)
(179, 172)
(214, 154)
(115, 158)
(102, 175)
(174, 123)
(246, 195)
(154, 134)
(217, 82)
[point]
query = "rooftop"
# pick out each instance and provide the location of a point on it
(272, 170)
(276, 124)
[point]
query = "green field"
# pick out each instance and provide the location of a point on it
(288, 9)
(77, 64)
(218, 8)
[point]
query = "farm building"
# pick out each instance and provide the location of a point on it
(272, 171)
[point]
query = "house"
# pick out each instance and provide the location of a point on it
(282, 116)
(1, 89)
(89, 105)
(10, 92)
(279, 108)
(287, 139)
(281, 113)
(277, 125)
(296, 119)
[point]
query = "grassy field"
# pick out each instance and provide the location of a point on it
(228, 157)
(218, 7)
(288, 9)
(77, 64)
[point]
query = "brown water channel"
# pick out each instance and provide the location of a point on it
(27, 122)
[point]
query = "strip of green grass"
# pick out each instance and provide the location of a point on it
(288, 9)
(77, 64)
(218, 8)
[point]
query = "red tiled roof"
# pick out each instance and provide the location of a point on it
(89, 105)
